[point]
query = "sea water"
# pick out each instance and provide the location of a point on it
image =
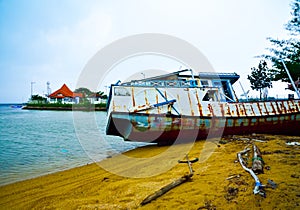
(34, 143)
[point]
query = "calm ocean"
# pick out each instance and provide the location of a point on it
(34, 143)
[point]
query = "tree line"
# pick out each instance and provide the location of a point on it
(85, 92)
(88, 93)
(286, 51)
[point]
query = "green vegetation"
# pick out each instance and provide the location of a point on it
(88, 93)
(85, 91)
(37, 99)
(85, 104)
(61, 106)
(260, 77)
(287, 50)
(102, 95)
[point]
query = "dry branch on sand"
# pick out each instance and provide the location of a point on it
(174, 184)
(258, 189)
(166, 189)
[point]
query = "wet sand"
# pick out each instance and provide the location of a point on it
(92, 187)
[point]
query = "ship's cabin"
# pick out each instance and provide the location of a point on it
(218, 86)
(222, 81)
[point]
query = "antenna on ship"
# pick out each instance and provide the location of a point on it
(245, 93)
(291, 79)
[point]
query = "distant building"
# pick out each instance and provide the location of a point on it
(65, 95)
(96, 98)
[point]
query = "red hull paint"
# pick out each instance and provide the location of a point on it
(187, 130)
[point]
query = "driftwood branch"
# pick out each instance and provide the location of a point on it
(175, 183)
(233, 176)
(166, 189)
(258, 186)
(258, 140)
(257, 161)
(189, 162)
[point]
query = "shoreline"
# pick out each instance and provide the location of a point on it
(90, 186)
(44, 173)
(45, 108)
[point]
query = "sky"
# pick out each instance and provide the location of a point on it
(53, 40)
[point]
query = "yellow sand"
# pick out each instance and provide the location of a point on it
(91, 187)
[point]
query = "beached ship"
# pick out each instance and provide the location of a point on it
(183, 106)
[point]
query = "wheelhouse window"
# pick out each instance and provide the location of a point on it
(217, 84)
(227, 90)
(204, 83)
(211, 95)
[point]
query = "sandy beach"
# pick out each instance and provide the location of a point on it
(219, 182)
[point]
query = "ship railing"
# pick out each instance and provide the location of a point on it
(162, 83)
(159, 83)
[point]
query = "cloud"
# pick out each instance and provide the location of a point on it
(66, 49)
(81, 39)
(56, 54)
(54, 40)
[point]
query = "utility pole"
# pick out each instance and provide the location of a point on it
(32, 88)
(48, 89)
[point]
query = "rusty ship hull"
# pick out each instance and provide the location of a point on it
(167, 129)
(176, 110)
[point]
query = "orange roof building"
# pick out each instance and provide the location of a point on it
(65, 95)
(65, 92)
